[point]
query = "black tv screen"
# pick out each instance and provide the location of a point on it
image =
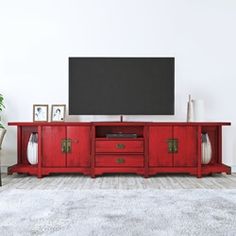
(121, 86)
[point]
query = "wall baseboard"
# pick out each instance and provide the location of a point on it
(233, 169)
(4, 169)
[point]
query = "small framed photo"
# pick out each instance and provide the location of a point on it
(58, 113)
(40, 112)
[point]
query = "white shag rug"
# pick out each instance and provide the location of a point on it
(117, 212)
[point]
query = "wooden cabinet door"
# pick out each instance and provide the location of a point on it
(158, 146)
(186, 137)
(79, 155)
(52, 155)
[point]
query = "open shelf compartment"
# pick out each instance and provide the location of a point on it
(102, 131)
(213, 133)
(23, 139)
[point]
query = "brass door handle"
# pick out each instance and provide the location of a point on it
(173, 145)
(120, 160)
(69, 146)
(63, 145)
(120, 146)
(66, 145)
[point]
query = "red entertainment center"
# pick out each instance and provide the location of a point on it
(80, 147)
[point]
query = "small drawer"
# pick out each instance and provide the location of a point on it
(119, 146)
(119, 161)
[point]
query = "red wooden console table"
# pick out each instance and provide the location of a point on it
(80, 147)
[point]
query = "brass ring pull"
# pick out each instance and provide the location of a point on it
(120, 146)
(63, 145)
(120, 160)
(69, 141)
(66, 145)
(173, 145)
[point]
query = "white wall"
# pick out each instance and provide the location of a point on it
(37, 37)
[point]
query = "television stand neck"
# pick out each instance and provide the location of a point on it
(121, 118)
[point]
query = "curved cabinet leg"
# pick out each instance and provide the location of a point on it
(199, 175)
(39, 176)
(9, 171)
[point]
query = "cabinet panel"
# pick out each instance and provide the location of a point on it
(158, 146)
(187, 146)
(79, 155)
(52, 155)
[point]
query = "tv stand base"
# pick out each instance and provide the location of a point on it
(154, 148)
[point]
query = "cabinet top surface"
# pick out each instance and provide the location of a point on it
(115, 123)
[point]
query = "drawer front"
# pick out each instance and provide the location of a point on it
(119, 161)
(119, 146)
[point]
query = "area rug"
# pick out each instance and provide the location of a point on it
(117, 212)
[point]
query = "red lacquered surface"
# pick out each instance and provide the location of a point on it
(80, 147)
(187, 146)
(51, 146)
(158, 146)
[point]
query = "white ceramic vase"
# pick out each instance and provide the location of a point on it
(32, 149)
(206, 149)
(190, 115)
(198, 110)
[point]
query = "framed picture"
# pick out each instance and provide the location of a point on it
(40, 112)
(58, 113)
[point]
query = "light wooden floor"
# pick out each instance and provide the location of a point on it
(70, 182)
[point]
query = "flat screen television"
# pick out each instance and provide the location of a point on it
(121, 85)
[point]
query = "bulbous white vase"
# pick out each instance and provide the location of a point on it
(32, 149)
(206, 149)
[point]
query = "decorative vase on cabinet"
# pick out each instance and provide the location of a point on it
(190, 115)
(206, 149)
(32, 149)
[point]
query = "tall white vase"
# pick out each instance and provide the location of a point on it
(190, 114)
(206, 149)
(198, 110)
(32, 149)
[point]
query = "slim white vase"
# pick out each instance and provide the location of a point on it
(206, 149)
(190, 115)
(32, 149)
